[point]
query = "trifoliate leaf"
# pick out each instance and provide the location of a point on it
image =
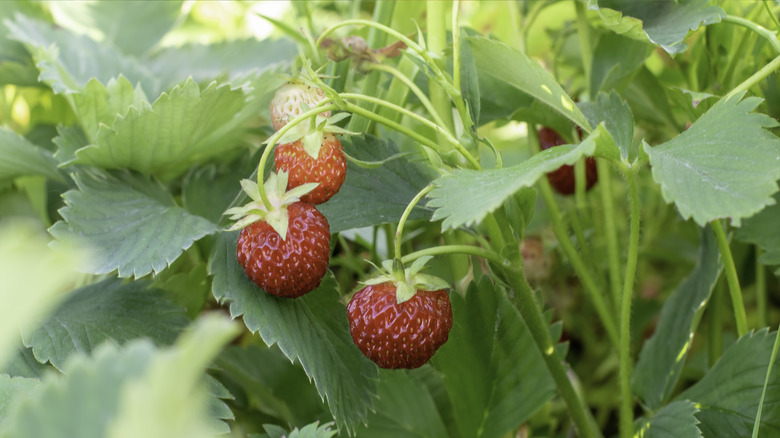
(663, 23)
(728, 395)
(675, 420)
(466, 196)
(110, 310)
(131, 223)
(20, 158)
(182, 127)
(663, 355)
(724, 166)
(311, 329)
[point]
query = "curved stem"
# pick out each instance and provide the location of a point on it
(624, 352)
(401, 222)
(323, 106)
(756, 77)
(731, 277)
(760, 30)
(771, 14)
(456, 249)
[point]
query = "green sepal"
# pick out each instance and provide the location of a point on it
(279, 220)
(404, 291)
(407, 280)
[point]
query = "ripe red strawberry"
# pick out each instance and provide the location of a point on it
(292, 266)
(562, 179)
(286, 103)
(329, 169)
(399, 335)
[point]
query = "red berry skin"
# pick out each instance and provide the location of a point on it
(286, 103)
(329, 169)
(562, 179)
(396, 335)
(292, 267)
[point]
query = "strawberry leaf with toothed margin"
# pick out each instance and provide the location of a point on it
(663, 355)
(20, 158)
(466, 196)
(311, 329)
(131, 222)
(675, 420)
(762, 230)
(726, 165)
(98, 104)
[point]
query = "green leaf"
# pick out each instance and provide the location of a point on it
(662, 23)
(404, 408)
(68, 61)
(312, 329)
(663, 356)
(375, 196)
(69, 139)
(16, 65)
(728, 395)
(614, 112)
(131, 222)
(33, 276)
(20, 158)
(724, 166)
(24, 364)
(99, 104)
(675, 420)
(183, 127)
(12, 391)
(615, 59)
(117, 22)
(209, 190)
(493, 372)
(108, 310)
(465, 196)
(469, 79)
(761, 230)
(313, 430)
(517, 69)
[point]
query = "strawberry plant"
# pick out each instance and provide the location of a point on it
(372, 219)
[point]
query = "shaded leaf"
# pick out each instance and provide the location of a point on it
(312, 329)
(131, 222)
(517, 69)
(493, 372)
(614, 112)
(24, 364)
(663, 355)
(663, 23)
(615, 58)
(20, 158)
(762, 230)
(724, 166)
(12, 391)
(465, 196)
(375, 196)
(108, 310)
(675, 420)
(728, 395)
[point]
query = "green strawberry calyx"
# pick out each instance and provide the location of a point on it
(278, 195)
(407, 281)
(313, 134)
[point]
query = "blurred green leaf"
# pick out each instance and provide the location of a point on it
(181, 128)
(375, 196)
(313, 430)
(675, 420)
(614, 112)
(24, 364)
(663, 23)
(20, 157)
(69, 139)
(517, 69)
(762, 230)
(663, 355)
(118, 22)
(312, 329)
(404, 408)
(469, 80)
(13, 390)
(131, 222)
(724, 166)
(466, 196)
(493, 372)
(728, 395)
(16, 65)
(99, 104)
(615, 59)
(108, 310)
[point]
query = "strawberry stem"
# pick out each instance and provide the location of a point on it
(457, 249)
(401, 222)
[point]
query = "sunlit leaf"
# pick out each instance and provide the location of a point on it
(131, 222)
(314, 430)
(663, 355)
(98, 104)
(675, 420)
(724, 166)
(312, 329)
(20, 157)
(108, 310)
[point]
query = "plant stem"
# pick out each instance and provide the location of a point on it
(393, 125)
(583, 29)
(715, 325)
(771, 14)
(457, 249)
(436, 14)
(591, 289)
(756, 77)
(761, 296)
(775, 347)
(398, 91)
(760, 30)
(526, 304)
(610, 230)
(731, 277)
(401, 222)
(455, 45)
(626, 399)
